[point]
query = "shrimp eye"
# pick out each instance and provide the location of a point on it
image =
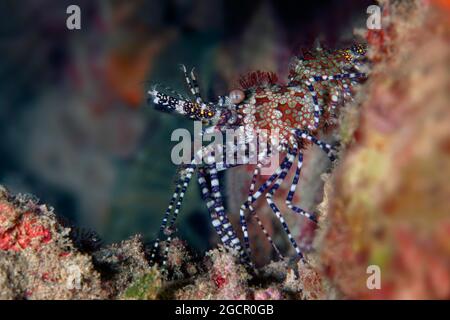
(237, 96)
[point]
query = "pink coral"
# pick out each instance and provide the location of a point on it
(27, 231)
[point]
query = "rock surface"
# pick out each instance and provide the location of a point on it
(385, 203)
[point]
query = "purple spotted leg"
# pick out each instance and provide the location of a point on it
(327, 148)
(192, 84)
(188, 173)
(228, 231)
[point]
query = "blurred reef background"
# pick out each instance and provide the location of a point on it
(76, 133)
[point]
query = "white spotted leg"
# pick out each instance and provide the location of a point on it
(192, 84)
(318, 78)
(218, 224)
(254, 214)
(165, 219)
(291, 193)
(188, 173)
